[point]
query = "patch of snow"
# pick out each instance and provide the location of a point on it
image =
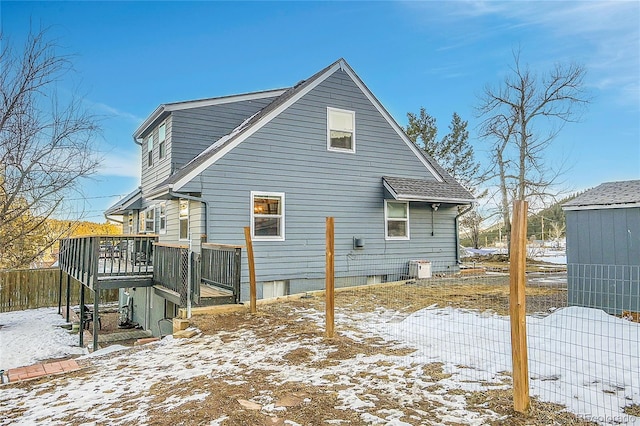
(32, 336)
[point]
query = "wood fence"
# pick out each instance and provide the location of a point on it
(39, 288)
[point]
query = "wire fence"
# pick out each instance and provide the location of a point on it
(583, 352)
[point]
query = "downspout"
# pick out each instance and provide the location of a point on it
(458, 262)
(206, 230)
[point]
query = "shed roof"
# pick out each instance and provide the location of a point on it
(408, 189)
(132, 201)
(621, 194)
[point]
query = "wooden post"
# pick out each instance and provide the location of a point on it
(68, 295)
(330, 279)
(81, 327)
(517, 309)
(60, 292)
(96, 320)
(252, 270)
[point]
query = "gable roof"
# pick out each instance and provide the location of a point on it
(408, 189)
(225, 144)
(609, 195)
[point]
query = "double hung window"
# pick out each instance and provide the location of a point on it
(162, 136)
(396, 220)
(341, 130)
(267, 216)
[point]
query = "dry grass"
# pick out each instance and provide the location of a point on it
(475, 293)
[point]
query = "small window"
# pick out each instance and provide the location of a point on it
(149, 219)
(396, 218)
(162, 218)
(341, 133)
(150, 151)
(162, 136)
(141, 222)
(130, 222)
(184, 219)
(267, 216)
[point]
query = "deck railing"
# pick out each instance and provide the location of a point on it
(171, 268)
(221, 267)
(88, 258)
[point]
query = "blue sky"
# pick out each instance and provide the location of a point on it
(129, 57)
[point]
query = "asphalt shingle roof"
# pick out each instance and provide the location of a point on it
(608, 193)
(428, 190)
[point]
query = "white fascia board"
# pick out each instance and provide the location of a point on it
(158, 192)
(178, 106)
(602, 206)
(254, 128)
(390, 120)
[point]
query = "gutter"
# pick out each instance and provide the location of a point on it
(467, 210)
(106, 216)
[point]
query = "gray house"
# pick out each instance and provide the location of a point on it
(281, 161)
(603, 247)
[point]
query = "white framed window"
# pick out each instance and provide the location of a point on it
(183, 218)
(141, 222)
(150, 150)
(162, 136)
(162, 218)
(267, 216)
(396, 220)
(341, 130)
(150, 219)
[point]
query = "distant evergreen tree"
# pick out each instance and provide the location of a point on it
(453, 152)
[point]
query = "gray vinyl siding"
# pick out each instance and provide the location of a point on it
(603, 258)
(191, 131)
(195, 129)
(290, 155)
(161, 168)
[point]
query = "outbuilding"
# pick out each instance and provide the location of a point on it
(603, 247)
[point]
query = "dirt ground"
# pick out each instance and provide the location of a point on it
(250, 396)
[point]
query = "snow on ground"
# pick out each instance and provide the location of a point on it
(551, 256)
(579, 357)
(31, 336)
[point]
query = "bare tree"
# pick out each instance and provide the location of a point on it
(522, 117)
(470, 223)
(46, 147)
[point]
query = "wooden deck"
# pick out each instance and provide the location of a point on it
(208, 291)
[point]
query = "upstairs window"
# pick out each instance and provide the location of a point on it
(396, 220)
(267, 216)
(150, 151)
(162, 136)
(341, 134)
(183, 217)
(141, 222)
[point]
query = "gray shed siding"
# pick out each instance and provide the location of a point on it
(603, 258)
(290, 155)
